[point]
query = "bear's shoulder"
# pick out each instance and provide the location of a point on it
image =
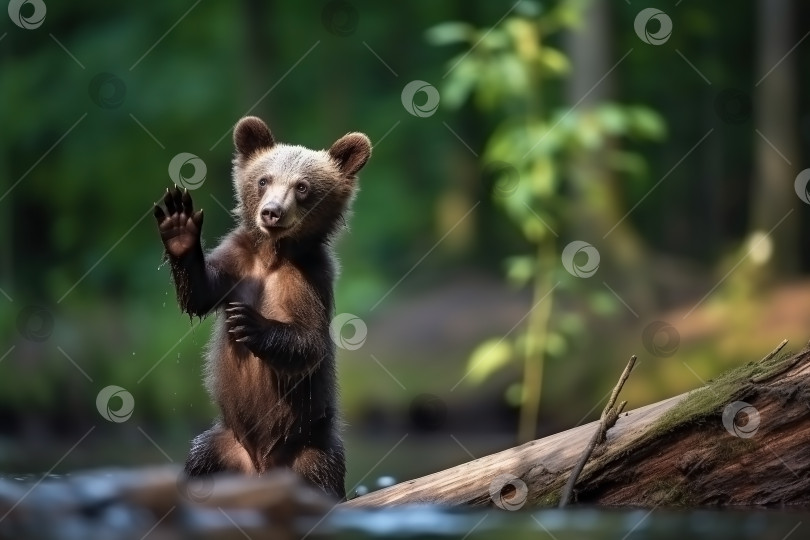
(235, 254)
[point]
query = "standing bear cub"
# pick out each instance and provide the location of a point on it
(271, 361)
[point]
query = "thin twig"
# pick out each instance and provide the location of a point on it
(606, 421)
(775, 351)
(784, 367)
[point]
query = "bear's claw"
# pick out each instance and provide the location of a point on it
(245, 324)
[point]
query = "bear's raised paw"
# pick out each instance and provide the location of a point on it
(179, 226)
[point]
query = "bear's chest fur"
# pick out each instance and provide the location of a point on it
(264, 407)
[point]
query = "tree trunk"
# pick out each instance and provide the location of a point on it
(597, 192)
(260, 52)
(677, 452)
(773, 197)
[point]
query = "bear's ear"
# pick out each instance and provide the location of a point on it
(252, 134)
(351, 152)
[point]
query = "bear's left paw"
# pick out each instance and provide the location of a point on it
(245, 324)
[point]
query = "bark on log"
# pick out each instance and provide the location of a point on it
(677, 452)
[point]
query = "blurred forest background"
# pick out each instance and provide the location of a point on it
(571, 183)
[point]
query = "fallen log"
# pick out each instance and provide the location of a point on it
(740, 440)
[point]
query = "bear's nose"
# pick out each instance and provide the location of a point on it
(272, 213)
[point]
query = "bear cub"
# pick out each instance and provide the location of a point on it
(270, 362)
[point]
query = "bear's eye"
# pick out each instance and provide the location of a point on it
(302, 187)
(262, 182)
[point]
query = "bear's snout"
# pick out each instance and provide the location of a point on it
(271, 214)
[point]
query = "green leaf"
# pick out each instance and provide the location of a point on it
(512, 75)
(520, 270)
(571, 324)
(525, 39)
(554, 61)
(604, 303)
(450, 32)
(556, 345)
(567, 14)
(533, 230)
(646, 123)
(540, 139)
(514, 394)
(631, 163)
(461, 82)
(588, 132)
(492, 39)
(542, 177)
(614, 119)
(487, 358)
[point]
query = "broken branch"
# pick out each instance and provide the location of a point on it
(606, 421)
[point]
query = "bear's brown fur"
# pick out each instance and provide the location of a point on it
(271, 361)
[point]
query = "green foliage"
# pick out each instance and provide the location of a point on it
(506, 70)
(488, 357)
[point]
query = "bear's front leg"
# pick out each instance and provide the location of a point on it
(200, 286)
(288, 347)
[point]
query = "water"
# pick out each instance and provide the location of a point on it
(569, 524)
(92, 504)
